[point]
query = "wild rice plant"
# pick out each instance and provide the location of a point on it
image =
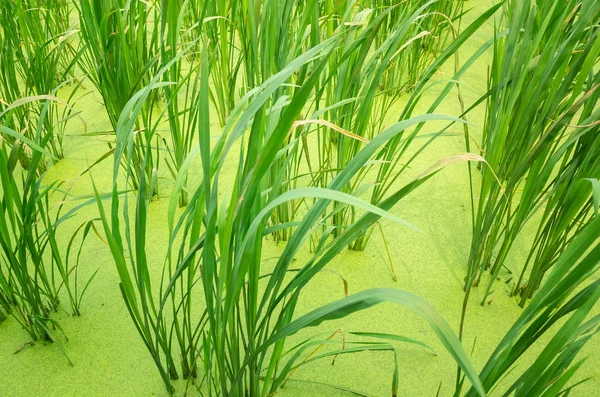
(33, 268)
(276, 36)
(223, 34)
(391, 162)
(571, 206)
(121, 56)
(540, 128)
(356, 105)
(562, 306)
(359, 77)
(216, 309)
(437, 24)
(38, 58)
(247, 43)
(181, 97)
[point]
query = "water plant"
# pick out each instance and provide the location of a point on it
(572, 205)
(181, 66)
(535, 143)
(38, 58)
(234, 340)
(351, 105)
(33, 267)
(274, 119)
(564, 305)
(227, 23)
(394, 160)
(120, 56)
(437, 25)
(541, 156)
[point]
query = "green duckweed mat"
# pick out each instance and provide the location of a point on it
(109, 359)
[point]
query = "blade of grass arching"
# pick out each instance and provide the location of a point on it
(291, 366)
(327, 194)
(268, 88)
(397, 338)
(385, 172)
(573, 268)
(242, 115)
(282, 130)
(349, 234)
(22, 138)
(364, 300)
(330, 195)
(179, 184)
(116, 247)
(340, 180)
(446, 54)
(125, 125)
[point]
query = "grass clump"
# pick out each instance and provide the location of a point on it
(37, 59)
(33, 267)
(539, 137)
(563, 304)
(234, 341)
(121, 55)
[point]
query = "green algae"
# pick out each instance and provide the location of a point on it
(110, 359)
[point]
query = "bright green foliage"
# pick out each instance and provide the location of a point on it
(540, 137)
(235, 341)
(435, 27)
(356, 102)
(563, 305)
(37, 57)
(33, 267)
(391, 162)
(567, 211)
(121, 56)
(301, 90)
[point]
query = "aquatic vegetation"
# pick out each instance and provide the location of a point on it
(287, 132)
(215, 245)
(38, 58)
(565, 301)
(120, 58)
(540, 142)
(390, 163)
(356, 102)
(434, 28)
(33, 267)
